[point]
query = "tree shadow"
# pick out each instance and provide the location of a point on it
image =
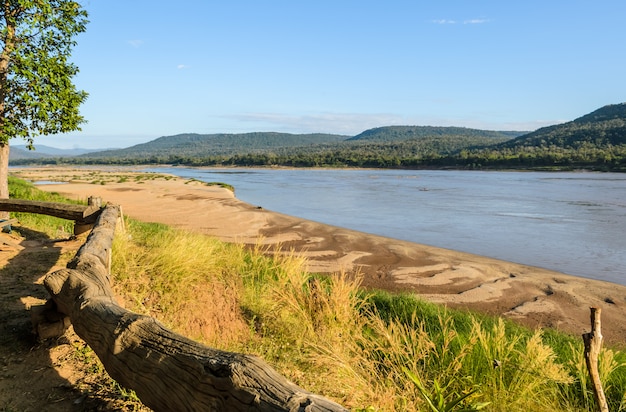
(30, 369)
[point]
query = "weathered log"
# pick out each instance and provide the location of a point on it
(63, 210)
(593, 345)
(47, 321)
(167, 371)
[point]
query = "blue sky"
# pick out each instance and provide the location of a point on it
(156, 68)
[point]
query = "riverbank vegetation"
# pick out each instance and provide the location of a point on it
(369, 350)
(365, 349)
(423, 154)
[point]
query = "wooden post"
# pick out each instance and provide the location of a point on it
(167, 371)
(94, 201)
(121, 227)
(593, 344)
(81, 226)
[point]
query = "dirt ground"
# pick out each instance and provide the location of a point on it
(50, 376)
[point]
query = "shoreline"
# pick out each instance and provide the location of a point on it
(529, 295)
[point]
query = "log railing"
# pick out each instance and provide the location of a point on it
(167, 371)
(83, 216)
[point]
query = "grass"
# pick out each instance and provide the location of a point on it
(222, 184)
(219, 184)
(363, 349)
(370, 351)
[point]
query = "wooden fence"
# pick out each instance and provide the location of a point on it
(167, 371)
(84, 217)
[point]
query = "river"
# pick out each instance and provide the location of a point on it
(571, 222)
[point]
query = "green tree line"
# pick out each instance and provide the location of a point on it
(397, 155)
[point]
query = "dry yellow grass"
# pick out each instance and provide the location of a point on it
(325, 334)
(184, 281)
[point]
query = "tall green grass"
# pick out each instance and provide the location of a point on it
(364, 349)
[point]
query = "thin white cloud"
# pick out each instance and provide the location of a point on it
(483, 122)
(338, 123)
(136, 43)
(182, 66)
(476, 21)
(355, 123)
(468, 21)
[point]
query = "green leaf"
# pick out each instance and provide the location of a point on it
(36, 82)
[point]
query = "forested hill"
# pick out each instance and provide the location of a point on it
(221, 144)
(388, 142)
(594, 141)
(402, 133)
(601, 128)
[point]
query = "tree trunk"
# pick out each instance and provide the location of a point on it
(167, 371)
(9, 45)
(4, 176)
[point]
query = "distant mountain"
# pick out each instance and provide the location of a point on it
(43, 151)
(605, 126)
(19, 153)
(40, 148)
(402, 133)
(393, 141)
(606, 113)
(202, 145)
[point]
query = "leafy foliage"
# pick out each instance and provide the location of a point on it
(36, 92)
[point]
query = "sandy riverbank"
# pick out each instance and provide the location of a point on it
(533, 296)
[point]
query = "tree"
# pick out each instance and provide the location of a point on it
(37, 96)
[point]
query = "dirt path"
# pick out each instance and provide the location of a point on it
(55, 375)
